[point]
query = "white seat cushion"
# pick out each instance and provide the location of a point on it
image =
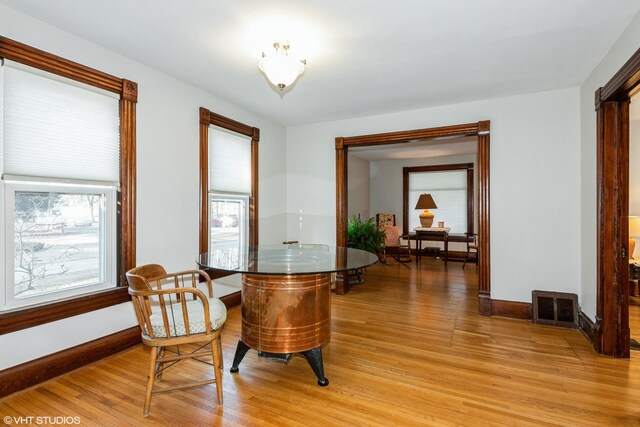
(217, 316)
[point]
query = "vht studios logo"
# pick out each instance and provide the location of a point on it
(41, 420)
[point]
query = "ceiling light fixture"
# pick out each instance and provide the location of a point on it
(281, 69)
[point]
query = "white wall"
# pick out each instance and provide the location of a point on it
(167, 156)
(535, 183)
(359, 187)
(386, 178)
(619, 53)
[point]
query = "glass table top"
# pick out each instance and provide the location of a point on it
(286, 259)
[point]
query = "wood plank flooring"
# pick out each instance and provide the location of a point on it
(407, 348)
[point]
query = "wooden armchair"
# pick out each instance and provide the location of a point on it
(392, 239)
(172, 311)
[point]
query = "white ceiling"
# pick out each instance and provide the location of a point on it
(418, 149)
(364, 56)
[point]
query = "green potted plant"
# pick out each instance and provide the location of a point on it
(364, 235)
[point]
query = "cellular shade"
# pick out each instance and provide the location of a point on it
(57, 128)
(229, 162)
(449, 192)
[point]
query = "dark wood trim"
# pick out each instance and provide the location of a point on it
(436, 168)
(511, 309)
(128, 91)
(232, 125)
(469, 129)
(203, 235)
(590, 330)
(39, 370)
(342, 220)
(232, 300)
(470, 202)
(612, 145)
(484, 234)
(613, 212)
(625, 82)
(127, 196)
(253, 200)
(480, 129)
(25, 54)
(208, 118)
(28, 317)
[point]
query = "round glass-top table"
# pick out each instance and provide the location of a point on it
(286, 259)
(286, 296)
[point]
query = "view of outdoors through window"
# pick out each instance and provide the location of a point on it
(225, 216)
(57, 241)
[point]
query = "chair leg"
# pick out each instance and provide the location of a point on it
(217, 372)
(159, 363)
(466, 257)
(220, 352)
(150, 378)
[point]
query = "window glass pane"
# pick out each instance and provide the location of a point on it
(227, 221)
(57, 242)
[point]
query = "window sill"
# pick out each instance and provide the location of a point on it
(28, 317)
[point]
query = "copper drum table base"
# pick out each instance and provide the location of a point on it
(286, 314)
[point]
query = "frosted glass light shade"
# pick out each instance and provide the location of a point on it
(280, 68)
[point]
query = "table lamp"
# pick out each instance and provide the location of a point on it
(425, 201)
(634, 231)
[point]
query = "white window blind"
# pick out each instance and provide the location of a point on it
(449, 192)
(57, 128)
(229, 162)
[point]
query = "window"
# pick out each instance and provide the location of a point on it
(60, 138)
(67, 193)
(451, 187)
(63, 241)
(228, 156)
(229, 188)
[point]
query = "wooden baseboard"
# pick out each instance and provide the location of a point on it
(484, 303)
(232, 300)
(27, 374)
(590, 330)
(36, 371)
(512, 309)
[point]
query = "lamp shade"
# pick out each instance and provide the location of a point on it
(425, 201)
(634, 226)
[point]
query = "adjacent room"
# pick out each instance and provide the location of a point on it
(319, 213)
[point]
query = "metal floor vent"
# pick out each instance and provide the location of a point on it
(555, 308)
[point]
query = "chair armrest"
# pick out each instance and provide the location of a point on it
(180, 275)
(180, 298)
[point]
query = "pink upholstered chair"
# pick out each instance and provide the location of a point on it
(393, 244)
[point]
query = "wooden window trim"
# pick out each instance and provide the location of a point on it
(128, 91)
(208, 118)
(436, 168)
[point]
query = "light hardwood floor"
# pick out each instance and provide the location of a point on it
(407, 348)
(634, 321)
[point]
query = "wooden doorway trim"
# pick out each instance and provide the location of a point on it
(612, 109)
(479, 129)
